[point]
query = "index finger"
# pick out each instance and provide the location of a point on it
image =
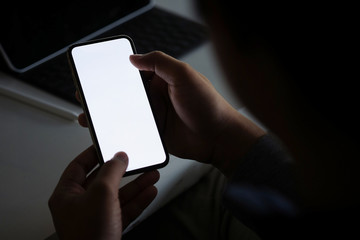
(78, 169)
(163, 65)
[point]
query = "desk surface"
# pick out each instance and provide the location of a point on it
(35, 147)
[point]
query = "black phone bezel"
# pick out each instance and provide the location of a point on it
(87, 112)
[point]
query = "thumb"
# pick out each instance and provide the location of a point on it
(112, 171)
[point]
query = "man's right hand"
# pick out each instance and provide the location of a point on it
(194, 119)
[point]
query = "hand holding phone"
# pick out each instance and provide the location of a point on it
(116, 104)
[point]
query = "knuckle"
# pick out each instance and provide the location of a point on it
(54, 202)
(184, 70)
(51, 202)
(158, 53)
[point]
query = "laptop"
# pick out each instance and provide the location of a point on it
(33, 35)
(34, 40)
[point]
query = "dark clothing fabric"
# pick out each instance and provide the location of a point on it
(263, 195)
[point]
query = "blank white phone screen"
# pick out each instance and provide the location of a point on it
(117, 103)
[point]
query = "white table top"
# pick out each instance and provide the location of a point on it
(36, 145)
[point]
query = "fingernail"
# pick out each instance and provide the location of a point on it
(137, 55)
(122, 156)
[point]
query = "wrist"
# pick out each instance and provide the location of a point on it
(236, 138)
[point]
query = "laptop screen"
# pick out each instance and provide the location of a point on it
(32, 33)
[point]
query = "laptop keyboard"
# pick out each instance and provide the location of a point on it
(157, 29)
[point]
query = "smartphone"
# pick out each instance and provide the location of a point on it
(116, 103)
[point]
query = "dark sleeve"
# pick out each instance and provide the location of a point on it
(263, 185)
(263, 195)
